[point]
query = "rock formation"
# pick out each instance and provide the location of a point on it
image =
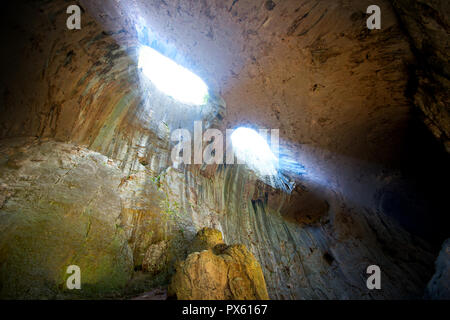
(439, 285)
(60, 207)
(427, 24)
(218, 272)
(155, 259)
(86, 176)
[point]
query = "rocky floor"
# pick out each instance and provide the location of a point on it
(155, 294)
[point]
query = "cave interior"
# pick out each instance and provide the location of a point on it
(340, 132)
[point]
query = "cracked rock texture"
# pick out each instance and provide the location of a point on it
(326, 259)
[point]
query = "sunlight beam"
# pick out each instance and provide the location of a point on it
(171, 78)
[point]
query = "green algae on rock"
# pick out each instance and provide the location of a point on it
(61, 210)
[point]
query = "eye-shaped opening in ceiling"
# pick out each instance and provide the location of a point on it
(171, 78)
(252, 149)
(272, 164)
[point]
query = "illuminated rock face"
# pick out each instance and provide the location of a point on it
(218, 272)
(427, 23)
(323, 256)
(340, 95)
(60, 208)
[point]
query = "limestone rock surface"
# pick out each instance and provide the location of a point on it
(340, 94)
(156, 257)
(59, 208)
(427, 24)
(206, 238)
(219, 273)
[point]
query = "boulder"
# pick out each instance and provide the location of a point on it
(220, 272)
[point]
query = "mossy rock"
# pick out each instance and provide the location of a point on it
(219, 272)
(38, 247)
(59, 211)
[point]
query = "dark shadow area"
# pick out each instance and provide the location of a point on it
(423, 207)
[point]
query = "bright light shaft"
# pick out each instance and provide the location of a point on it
(171, 78)
(253, 149)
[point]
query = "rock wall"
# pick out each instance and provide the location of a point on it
(216, 271)
(427, 25)
(60, 207)
(323, 259)
(439, 285)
